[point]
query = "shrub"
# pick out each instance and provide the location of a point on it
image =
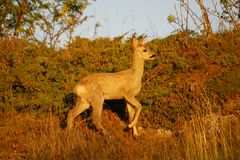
(181, 81)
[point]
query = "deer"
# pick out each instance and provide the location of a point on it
(93, 89)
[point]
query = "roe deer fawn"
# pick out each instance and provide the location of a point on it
(95, 88)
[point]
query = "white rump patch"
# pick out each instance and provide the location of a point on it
(79, 90)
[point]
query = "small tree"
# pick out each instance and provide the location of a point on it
(62, 17)
(26, 18)
(207, 24)
(231, 11)
(187, 13)
(18, 17)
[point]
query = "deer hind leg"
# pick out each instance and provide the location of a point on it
(131, 112)
(81, 105)
(137, 106)
(97, 105)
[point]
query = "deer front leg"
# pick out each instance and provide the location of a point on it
(131, 112)
(133, 102)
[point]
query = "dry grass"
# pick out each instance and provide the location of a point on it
(30, 136)
(192, 89)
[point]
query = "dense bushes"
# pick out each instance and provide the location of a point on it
(35, 77)
(190, 75)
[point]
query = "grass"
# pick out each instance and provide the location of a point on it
(33, 136)
(190, 97)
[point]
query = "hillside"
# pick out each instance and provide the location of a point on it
(190, 98)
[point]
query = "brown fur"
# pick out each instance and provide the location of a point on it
(95, 88)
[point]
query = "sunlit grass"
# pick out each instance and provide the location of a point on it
(30, 136)
(190, 97)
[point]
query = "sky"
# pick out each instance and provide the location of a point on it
(141, 16)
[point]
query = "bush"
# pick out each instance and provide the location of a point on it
(190, 75)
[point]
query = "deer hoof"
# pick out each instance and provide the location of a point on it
(132, 125)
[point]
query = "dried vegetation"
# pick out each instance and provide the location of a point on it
(190, 95)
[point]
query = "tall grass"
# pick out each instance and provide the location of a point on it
(190, 99)
(30, 136)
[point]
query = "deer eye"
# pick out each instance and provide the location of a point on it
(144, 50)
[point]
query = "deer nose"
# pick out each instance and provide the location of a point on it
(153, 56)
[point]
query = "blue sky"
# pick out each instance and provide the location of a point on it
(142, 16)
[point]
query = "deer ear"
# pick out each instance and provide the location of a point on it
(134, 40)
(143, 38)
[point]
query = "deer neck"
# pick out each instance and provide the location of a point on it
(137, 66)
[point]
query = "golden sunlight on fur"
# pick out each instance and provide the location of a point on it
(95, 88)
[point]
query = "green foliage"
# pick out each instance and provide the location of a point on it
(231, 12)
(224, 84)
(51, 19)
(20, 17)
(190, 75)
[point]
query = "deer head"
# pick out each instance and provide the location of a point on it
(140, 49)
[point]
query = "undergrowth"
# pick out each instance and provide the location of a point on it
(33, 136)
(191, 78)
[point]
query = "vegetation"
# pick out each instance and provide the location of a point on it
(190, 95)
(31, 136)
(190, 92)
(29, 19)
